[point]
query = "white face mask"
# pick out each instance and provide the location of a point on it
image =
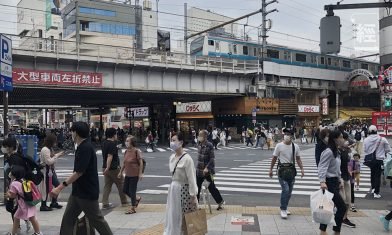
(4, 150)
(174, 146)
(287, 138)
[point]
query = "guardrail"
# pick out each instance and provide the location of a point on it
(129, 55)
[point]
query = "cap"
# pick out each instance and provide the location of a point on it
(373, 128)
(287, 131)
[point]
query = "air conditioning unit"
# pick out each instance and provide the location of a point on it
(252, 89)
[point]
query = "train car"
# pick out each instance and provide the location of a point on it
(232, 48)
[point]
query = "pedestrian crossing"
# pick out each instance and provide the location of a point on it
(188, 149)
(254, 178)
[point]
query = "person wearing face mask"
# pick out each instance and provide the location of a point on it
(182, 194)
(345, 191)
(321, 144)
(205, 169)
(133, 167)
(286, 153)
(330, 177)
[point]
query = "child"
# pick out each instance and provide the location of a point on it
(24, 212)
(354, 168)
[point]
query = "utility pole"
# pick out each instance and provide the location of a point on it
(186, 32)
(261, 80)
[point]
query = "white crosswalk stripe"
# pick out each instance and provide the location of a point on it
(254, 178)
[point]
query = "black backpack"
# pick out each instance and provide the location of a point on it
(33, 169)
(358, 136)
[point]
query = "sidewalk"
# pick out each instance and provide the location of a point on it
(149, 221)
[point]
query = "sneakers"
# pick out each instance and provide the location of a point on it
(45, 208)
(40, 233)
(283, 214)
(288, 212)
(385, 223)
(348, 223)
(353, 209)
(377, 195)
(357, 187)
(107, 206)
(220, 205)
(372, 190)
(56, 205)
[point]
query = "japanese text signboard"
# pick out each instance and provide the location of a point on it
(140, 112)
(56, 78)
(308, 108)
(195, 107)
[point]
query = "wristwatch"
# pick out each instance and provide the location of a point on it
(65, 184)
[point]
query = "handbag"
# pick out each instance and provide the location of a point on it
(83, 227)
(195, 223)
(10, 205)
(287, 171)
(370, 159)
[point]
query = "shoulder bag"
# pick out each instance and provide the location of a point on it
(370, 159)
(287, 171)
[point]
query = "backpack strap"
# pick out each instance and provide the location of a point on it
(174, 171)
(293, 146)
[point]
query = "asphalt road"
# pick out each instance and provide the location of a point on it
(242, 176)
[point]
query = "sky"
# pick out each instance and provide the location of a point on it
(300, 18)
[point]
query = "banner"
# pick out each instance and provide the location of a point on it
(56, 78)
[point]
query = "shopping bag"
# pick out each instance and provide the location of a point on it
(322, 207)
(303, 140)
(196, 223)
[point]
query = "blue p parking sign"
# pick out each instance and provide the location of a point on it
(5, 63)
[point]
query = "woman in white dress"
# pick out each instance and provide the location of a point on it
(182, 196)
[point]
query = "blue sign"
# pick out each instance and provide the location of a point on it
(5, 63)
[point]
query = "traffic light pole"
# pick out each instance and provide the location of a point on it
(330, 8)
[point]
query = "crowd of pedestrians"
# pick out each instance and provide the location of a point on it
(336, 154)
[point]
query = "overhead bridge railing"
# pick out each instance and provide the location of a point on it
(129, 55)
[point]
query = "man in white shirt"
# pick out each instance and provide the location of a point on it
(215, 138)
(372, 143)
(284, 154)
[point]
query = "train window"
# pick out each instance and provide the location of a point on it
(245, 50)
(300, 57)
(336, 62)
(322, 60)
(260, 52)
(210, 42)
(346, 64)
(217, 46)
(255, 51)
(235, 49)
(287, 55)
(272, 53)
(310, 82)
(364, 66)
(313, 59)
(230, 48)
(320, 83)
(329, 61)
(290, 80)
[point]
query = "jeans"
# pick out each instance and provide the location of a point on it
(375, 176)
(333, 187)
(109, 179)
(249, 141)
(287, 189)
(91, 209)
(212, 188)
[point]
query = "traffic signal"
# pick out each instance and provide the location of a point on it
(387, 102)
(330, 35)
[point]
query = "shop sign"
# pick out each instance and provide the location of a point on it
(362, 78)
(388, 74)
(140, 112)
(388, 88)
(324, 103)
(56, 78)
(268, 105)
(194, 107)
(308, 108)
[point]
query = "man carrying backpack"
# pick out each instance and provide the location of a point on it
(358, 138)
(85, 185)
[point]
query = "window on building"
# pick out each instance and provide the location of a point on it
(306, 97)
(300, 57)
(322, 60)
(272, 53)
(346, 64)
(40, 33)
(210, 42)
(364, 66)
(93, 11)
(245, 50)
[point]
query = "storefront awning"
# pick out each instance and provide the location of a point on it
(356, 113)
(194, 116)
